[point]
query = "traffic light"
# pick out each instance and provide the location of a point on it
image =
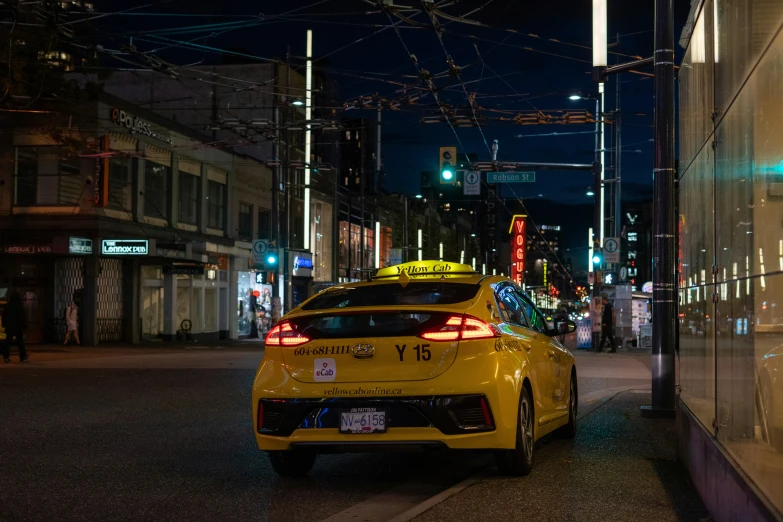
(448, 165)
(597, 259)
(271, 259)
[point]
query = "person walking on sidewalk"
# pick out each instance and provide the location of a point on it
(15, 324)
(607, 326)
(72, 323)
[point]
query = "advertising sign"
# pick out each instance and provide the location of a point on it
(395, 256)
(518, 233)
(79, 246)
(100, 195)
(124, 247)
(136, 125)
(184, 270)
(303, 264)
(27, 249)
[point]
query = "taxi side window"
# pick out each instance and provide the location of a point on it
(510, 307)
(537, 321)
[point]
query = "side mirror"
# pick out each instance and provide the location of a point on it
(564, 327)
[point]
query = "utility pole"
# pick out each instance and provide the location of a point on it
(283, 260)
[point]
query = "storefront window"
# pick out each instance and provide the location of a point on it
(254, 305)
(731, 201)
(321, 238)
(156, 190)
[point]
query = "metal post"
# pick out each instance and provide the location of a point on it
(618, 144)
(664, 231)
(275, 232)
(377, 180)
(405, 232)
(597, 173)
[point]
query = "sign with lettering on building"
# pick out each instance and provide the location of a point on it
(136, 125)
(302, 264)
(100, 195)
(79, 245)
(124, 247)
(27, 249)
(518, 233)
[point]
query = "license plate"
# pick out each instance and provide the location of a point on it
(363, 420)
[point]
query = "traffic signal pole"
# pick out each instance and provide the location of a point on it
(664, 230)
(664, 224)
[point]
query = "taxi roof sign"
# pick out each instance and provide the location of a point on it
(417, 269)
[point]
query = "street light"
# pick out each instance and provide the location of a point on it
(297, 102)
(590, 192)
(419, 196)
(574, 97)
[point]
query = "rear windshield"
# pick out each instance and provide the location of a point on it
(384, 324)
(394, 294)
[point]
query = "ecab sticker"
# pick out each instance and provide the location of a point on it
(324, 370)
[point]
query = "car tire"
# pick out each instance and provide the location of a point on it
(519, 461)
(569, 430)
(292, 463)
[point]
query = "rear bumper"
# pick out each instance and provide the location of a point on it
(395, 439)
(451, 414)
(419, 413)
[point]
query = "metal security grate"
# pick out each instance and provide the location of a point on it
(69, 281)
(110, 322)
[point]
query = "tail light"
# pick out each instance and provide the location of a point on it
(460, 327)
(448, 332)
(284, 335)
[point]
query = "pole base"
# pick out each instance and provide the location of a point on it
(648, 412)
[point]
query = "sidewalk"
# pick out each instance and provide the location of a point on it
(58, 352)
(619, 467)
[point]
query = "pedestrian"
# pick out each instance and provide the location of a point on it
(607, 326)
(72, 323)
(15, 325)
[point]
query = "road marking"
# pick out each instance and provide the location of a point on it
(440, 497)
(587, 405)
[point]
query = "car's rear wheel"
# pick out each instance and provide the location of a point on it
(292, 463)
(519, 461)
(569, 430)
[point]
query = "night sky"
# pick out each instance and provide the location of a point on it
(537, 73)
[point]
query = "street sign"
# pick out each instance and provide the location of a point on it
(472, 185)
(511, 177)
(611, 250)
(260, 248)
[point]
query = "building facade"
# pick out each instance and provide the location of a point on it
(731, 261)
(130, 215)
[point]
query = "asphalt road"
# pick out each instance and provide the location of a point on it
(152, 438)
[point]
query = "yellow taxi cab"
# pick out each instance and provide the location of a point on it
(426, 355)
